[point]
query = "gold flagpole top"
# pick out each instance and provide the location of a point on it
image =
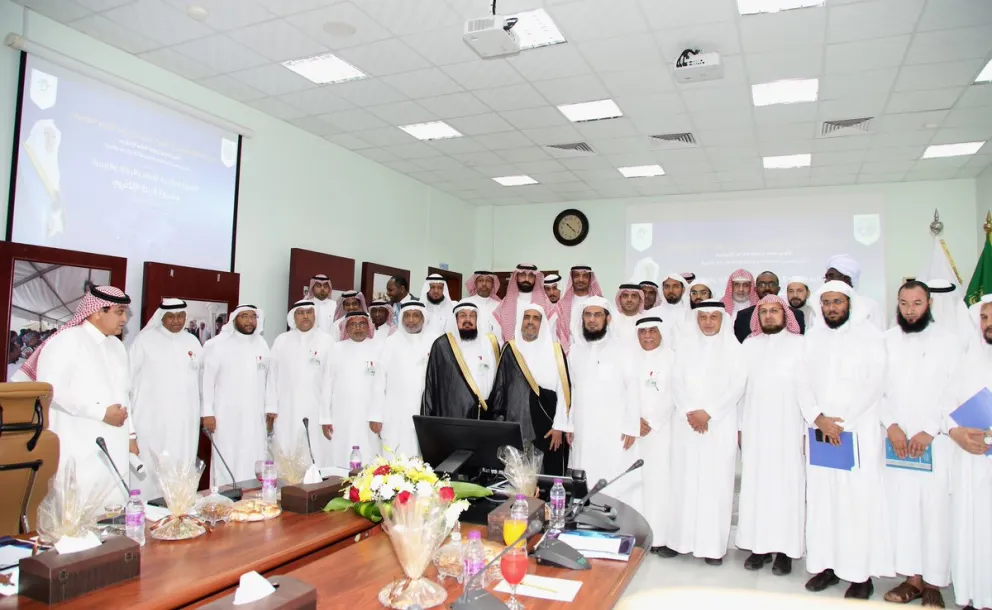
(988, 223)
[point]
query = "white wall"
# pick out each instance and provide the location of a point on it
(297, 190)
(983, 201)
(907, 215)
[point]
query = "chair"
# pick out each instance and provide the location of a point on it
(29, 454)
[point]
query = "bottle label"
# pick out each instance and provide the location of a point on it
(473, 566)
(354, 465)
(557, 503)
(134, 519)
(268, 485)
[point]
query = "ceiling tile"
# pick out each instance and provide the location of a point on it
(541, 167)
(612, 128)
(945, 162)
(532, 118)
(291, 7)
(784, 114)
(851, 107)
(157, 21)
(480, 158)
(850, 169)
(581, 21)
(841, 143)
(785, 29)
(905, 138)
(572, 90)
(386, 136)
(722, 119)
(349, 141)
(441, 48)
(949, 45)
(272, 79)
(384, 57)
(918, 101)
(955, 135)
(354, 120)
(453, 105)
(503, 141)
(368, 92)
(786, 131)
(414, 150)
(867, 82)
(725, 137)
(634, 82)
(278, 40)
(403, 17)
(968, 117)
(910, 121)
(112, 33)
(440, 163)
(798, 62)
(481, 74)
(312, 23)
(495, 171)
(101, 5)
(59, 10)
(457, 146)
(481, 124)
(558, 61)
(512, 97)
(612, 146)
(559, 177)
(976, 96)
(233, 89)
(638, 50)
(833, 180)
(315, 126)
(866, 54)
(176, 62)
(720, 37)
(553, 135)
(228, 14)
(902, 153)
(581, 164)
(662, 123)
(221, 53)
(948, 14)
(887, 167)
(277, 108)
(872, 20)
(718, 98)
(320, 100)
(939, 75)
(402, 113)
(676, 14)
(519, 155)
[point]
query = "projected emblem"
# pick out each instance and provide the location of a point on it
(641, 236)
(867, 228)
(44, 87)
(228, 152)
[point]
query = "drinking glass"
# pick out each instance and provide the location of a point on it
(512, 529)
(259, 469)
(513, 566)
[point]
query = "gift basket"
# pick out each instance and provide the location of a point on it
(292, 464)
(521, 467)
(67, 512)
(178, 479)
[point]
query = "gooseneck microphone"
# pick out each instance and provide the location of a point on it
(577, 514)
(480, 599)
(234, 493)
(103, 447)
(306, 426)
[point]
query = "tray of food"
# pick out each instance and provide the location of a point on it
(253, 510)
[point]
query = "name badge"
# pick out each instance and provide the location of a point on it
(483, 366)
(193, 363)
(261, 363)
(315, 358)
(370, 368)
(652, 381)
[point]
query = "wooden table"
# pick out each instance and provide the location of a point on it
(175, 574)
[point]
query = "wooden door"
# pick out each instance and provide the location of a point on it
(375, 276)
(304, 264)
(452, 279)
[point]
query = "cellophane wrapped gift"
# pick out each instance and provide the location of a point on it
(178, 478)
(521, 467)
(68, 511)
(291, 463)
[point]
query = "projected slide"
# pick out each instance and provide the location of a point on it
(788, 237)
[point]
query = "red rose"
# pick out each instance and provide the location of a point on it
(447, 494)
(353, 494)
(383, 470)
(403, 497)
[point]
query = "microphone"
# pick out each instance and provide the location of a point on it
(235, 492)
(306, 426)
(480, 599)
(591, 520)
(103, 447)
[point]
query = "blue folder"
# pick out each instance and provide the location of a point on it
(924, 463)
(976, 412)
(839, 457)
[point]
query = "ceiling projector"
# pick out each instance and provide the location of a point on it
(492, 36)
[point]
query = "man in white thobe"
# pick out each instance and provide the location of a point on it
(700, 289)
(438, 303)
(772, 507)
(951, 312)
(381, 315)
(324, 306)
(299, 384)
(166, 364)
(399, 383)
(845, 269)
(347, 417)
(653, 363)
(707, 383)
(581, 286)
(482, 288)
(629, 300)
(86, 364)
(847, 533)
(235, 412)
(522, 289)
(922, 356)
(674, 301)
(605, 409)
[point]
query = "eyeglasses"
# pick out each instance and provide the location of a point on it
(770, 284)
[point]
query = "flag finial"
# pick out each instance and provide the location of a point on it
(988, 223)
(936, 227)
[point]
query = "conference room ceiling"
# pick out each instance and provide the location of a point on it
(909, 64)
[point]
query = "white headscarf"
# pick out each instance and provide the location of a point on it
(229, 329)
(552, 279)
(343, 325)
(538, 353)
(413, 305)
(726, 332)
(167, 306)
(857, 313)
(596, 301)
(683, 305)
(846, 265)
(949, 310)
(291, 316)
(434, 279)
(975, 311)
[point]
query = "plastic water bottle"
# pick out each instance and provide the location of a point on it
(473, 560)
(557, 523)
(134, 518)
(269, 477)
(355, 460)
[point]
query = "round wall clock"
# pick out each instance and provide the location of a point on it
(571, 227)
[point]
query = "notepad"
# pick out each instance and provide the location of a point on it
(839, 457)
(543, 587)
(599, 545)
(923, 463)
(976, 412)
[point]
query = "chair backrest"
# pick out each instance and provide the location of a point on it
(29, 454)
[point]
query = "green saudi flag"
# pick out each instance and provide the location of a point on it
(981, 280)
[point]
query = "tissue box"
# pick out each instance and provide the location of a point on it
(535, 510)
(310, 498)
(51, 578)
(291, 594)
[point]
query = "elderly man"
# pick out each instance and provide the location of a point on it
(847, 534)
(630, 305)
(739, 293)
(400, 382)
(700, 290)
(398, 292)
(165, 391)
(532, 387)
(461, 368)
(299, 383)
(381, 315)
(922, 357)
(551, 287)
(708, 381)
(324, 306)
(87, 366)
(520, 292)
(650, 291)
(438, 303)
(605, 410)
(582, 285)
(349, 301)
(797, 293)
(772, 507)
(482, 288)
(765, 284)
(235, 368)
(345, 418)
(845, 269)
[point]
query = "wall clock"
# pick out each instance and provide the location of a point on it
(571, 227)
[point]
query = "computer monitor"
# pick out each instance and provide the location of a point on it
(452, 445)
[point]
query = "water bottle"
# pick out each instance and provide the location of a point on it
(269, 477)
(355, 460)
(474, 559)
(557, 523)
(134, 518)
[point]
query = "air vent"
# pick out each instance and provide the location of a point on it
(845, 127)
(674, 140)
(572, 149)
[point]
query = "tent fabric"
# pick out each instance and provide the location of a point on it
(46, 295)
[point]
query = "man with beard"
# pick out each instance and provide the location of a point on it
(551, 288)
(739, 293)
(398, 292)
(630, 305)
(707, 383)
(482, 288)
(532, 387)
(324, 306)
(347, 415)
(772, 507)
(381, 315)
(971, 483)
(438, 303)
(699, 291)
(461, 368)
(922, 357)
(650, 291)
(674, 305)
(765, 284)
(847, 534)
(845, 269)
(797, 292)
(605, 410)
(520, 292)
(235, 367)
(582, 285)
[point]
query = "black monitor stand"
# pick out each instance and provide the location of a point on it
(454, 462)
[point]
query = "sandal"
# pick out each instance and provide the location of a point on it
(903, 594)
(932, 597)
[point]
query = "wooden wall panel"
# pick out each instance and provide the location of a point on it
(304, 264)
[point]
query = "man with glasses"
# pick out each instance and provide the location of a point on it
(765, 284)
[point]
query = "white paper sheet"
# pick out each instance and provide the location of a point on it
(9, 555)
(543, 587)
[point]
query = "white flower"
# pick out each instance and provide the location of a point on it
(425, 489)
(404, 486)
(386, 493)
(452, 513)
(394, 481)
(376, 482)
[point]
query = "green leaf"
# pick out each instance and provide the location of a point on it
(338, 504)
(369, 510)
(469, 490)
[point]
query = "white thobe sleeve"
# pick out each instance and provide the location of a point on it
(886, 408)
(804, 387)
(272, 382)
(726, 403)
(871, 390)
(57, 366)
(632, 409)
(379, 386)
(327, 407)
(562, 421)
(209, 382)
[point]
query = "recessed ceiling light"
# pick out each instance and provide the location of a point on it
(591, 111)
(785, 92)
(339, 28)
(787, 161)
(436, 130)
(324, 69)
(753, 7)
(197, 12)
(952, 150)
(515, 180)
(536, 29)
(641, 171)
(986, 75)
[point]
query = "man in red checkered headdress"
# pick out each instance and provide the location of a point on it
(526, 286)
(739, 293)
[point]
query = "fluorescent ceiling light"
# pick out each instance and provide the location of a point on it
(324, 69)
(641, 171)
(952, 150)
(437, 130)
(753, 7)
(536, 29)
(785, 92)
(591, 111)
(986, 75)
(787, 161)
(515, 180)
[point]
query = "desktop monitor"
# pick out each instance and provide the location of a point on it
(464, 446)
